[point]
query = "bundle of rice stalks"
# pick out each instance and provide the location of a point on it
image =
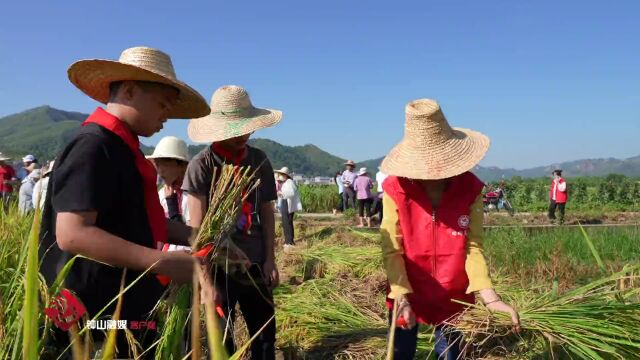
(229, 189)
(596, 321)
(361, 261)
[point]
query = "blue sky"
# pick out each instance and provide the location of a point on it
(548, 81)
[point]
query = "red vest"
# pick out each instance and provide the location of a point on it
(435, 244)
(561, 196)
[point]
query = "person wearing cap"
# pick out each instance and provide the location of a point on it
(25, 194)
(362, 185)
(40, 189)
(227, 130)
(432, 230)
(103, 202)
(29, 163)
(348, 178)
(171, 157)
(290, 203)
(8, 178)
(557, 196)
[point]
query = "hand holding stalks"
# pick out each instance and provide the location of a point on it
(494, 302)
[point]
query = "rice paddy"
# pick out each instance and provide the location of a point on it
(331, 303)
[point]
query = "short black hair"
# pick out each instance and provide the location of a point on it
(114, 87)
(557, 171)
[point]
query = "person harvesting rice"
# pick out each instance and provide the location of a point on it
(102, 201)
(227, 129)
(432, 229)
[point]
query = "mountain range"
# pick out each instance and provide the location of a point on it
(43, 131)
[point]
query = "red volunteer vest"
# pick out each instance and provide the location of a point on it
(561, 196)
(435, 244)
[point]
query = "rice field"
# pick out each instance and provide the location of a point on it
(331, 301)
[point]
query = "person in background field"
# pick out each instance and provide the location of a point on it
(348, 177)
(290, 204)
(103, 201)
(25, 194)
(8, 178)
(362, 186)
(40, 189)
(227, 129)
(377, 201)
(170, 158)
(557, 196)
(337, 178)
(433, 204)
(29, 163)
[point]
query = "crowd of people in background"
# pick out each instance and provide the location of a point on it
(356, 191)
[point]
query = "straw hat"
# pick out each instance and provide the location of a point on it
(362, 171)
(232, 115)
(171, 147)
(93, 77)
(431, 149)
(350, 162)
(49, 169)
(283, 171)
(3, 157)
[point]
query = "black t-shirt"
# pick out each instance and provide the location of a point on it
(198, 179)
(97, 172)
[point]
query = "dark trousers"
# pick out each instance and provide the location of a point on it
(349, 198)
(552, 210)
(448, 343)
(256, 304)
(364, 207)
(340, 202)
(377, 207)
(287, 223)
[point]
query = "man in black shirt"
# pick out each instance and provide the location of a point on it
(102, 200)
(232, 121)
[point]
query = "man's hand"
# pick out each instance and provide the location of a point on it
(177, 265)
(271, 275)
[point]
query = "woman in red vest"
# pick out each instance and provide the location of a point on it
(432, 229)
(557, 196)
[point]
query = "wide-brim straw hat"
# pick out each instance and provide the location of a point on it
(350, 162)
(171, 147)
(94, 76)
(431, 149)
(362, 171)
(3, 157)
(232, 115)
(283, 171)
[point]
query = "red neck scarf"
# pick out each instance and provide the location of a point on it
(235, 159)
(155, 213)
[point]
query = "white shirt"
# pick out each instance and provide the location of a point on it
(380, 176)
(40, 192)
(290, 193)
(183, 207)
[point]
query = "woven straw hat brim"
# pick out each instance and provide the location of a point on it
(459, 154)
(94, 76)
(2, 158)
(281, 172)
(215, 127)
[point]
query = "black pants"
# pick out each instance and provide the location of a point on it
(364, 207)
(256, 304)
(287, 223)
(377, 207)
(349, 198)
(552, 210)
(340, 202)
